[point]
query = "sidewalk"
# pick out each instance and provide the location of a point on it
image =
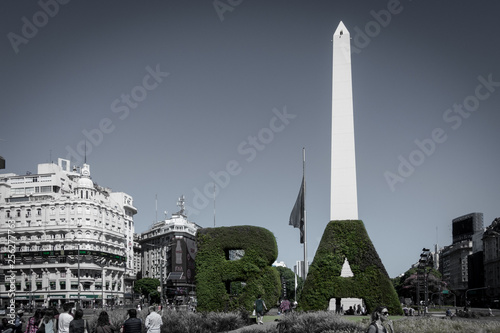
(273, 312)
(256, 327)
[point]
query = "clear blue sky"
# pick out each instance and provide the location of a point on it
(170, 94)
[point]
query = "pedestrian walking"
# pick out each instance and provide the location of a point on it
(153, 321)
(259, 306)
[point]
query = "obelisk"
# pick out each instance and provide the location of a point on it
(343, 192)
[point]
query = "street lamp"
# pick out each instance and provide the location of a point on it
(424, 262)
(467, 305)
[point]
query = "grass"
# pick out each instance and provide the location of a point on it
(304, 322)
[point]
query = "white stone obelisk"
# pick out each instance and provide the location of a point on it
(343, 194)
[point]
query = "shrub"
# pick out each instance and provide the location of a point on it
(214, 272)
(341, 240)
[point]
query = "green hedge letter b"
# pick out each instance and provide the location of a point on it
(233, 266)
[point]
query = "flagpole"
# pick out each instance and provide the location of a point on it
(305, 215)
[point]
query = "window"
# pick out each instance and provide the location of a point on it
(45, 189)
(62, 285)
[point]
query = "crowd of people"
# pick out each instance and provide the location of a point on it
(71, 321)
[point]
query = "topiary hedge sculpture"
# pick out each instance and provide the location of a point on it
(216, 273)
(341, 240)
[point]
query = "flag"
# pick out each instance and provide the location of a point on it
(297, 215)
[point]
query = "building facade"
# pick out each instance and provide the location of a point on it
(168, 254)
(65, 238)
(458, 262)
(491, 243)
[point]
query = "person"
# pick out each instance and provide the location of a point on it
(48, 324)
(34, 321)
(103, 324)
(6, 326)
(18, 322)
(132, 324)
(380, 321)
(259, 306)
(64, 319)
(153, 321)
(350, 312)
(78, 324)
(285, 306)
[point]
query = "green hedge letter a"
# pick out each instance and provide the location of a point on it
(233, 266)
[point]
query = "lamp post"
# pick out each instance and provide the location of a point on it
(424, 262)
(466, 304)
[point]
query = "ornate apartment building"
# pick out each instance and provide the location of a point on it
(65, 238)
(168, 254)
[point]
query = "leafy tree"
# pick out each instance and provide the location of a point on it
(406, 284)
(289, 277)
(149, 288)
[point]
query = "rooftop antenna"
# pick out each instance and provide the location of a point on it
(180, 204)
(85, 158)
(156, 207)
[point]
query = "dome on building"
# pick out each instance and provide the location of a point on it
(85, 182)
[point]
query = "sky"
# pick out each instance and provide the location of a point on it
(174, 96)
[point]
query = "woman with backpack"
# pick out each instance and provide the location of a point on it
(78, 324)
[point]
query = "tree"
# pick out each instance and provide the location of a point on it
(406, 284)
(149, 288)
(288, 276)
